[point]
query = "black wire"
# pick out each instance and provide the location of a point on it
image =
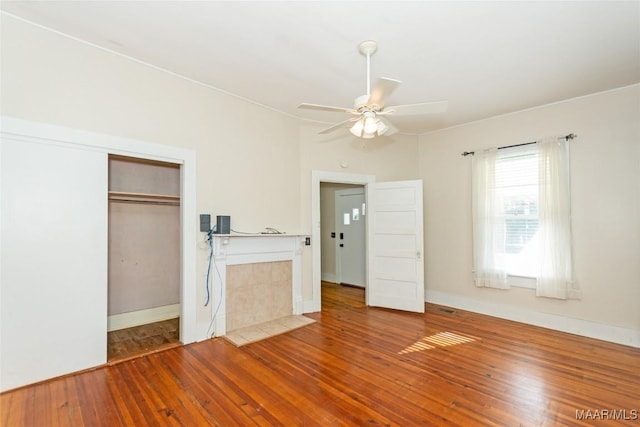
(210, 243)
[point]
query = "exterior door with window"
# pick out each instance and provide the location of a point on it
(350, 236)
(396, 264)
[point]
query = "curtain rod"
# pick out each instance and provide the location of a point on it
(567, 137)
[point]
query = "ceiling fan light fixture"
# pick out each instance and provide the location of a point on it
(370, 124)
(382, 128)
(357, 127)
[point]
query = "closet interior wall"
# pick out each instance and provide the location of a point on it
(144, 242)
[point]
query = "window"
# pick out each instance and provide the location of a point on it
(517, 191)
(522, 217)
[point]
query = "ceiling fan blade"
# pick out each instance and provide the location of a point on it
(327, 108)
(336, 126)
(381, 91)
(391, 128)
(414, 109)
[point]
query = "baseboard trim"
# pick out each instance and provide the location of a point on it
(309, 306)
(328, 277)
(142, 317)
(584, 328)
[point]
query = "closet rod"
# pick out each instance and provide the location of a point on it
(567, 137)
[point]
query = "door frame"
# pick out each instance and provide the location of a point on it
(190, 330)
(318, 177)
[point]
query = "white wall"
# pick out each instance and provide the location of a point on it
(258, 170)
(253, 163)
(52, 79)
(605, 162)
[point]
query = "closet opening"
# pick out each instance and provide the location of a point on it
(143, 257)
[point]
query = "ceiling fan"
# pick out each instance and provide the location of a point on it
(369, 110)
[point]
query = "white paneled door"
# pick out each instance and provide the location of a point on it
(396, 264)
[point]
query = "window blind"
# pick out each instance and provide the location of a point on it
(517, 193)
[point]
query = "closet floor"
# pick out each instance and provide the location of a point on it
(126, 343)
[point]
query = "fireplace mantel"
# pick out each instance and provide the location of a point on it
(234, 249)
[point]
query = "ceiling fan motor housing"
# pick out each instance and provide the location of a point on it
(360, 102)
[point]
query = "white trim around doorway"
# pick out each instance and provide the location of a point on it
(190, 330)
(318, 177)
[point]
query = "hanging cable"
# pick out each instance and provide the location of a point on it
(207, 282)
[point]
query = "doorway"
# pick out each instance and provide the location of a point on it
(395, 270)
(324, 253)
(343, 250)
(144, 235)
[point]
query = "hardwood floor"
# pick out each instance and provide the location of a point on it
(355, 366)
(132, 342)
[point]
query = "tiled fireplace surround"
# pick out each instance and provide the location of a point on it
(259, 278)
(257, 293)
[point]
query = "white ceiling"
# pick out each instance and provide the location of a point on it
(485, 58)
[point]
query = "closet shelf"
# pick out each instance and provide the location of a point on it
(123, 196)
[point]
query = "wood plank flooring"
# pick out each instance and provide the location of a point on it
(355, 366)
(132, 342)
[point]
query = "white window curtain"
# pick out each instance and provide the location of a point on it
(488, 223)
(493, 203)
(555, 270)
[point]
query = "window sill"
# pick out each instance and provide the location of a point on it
(521, 282)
